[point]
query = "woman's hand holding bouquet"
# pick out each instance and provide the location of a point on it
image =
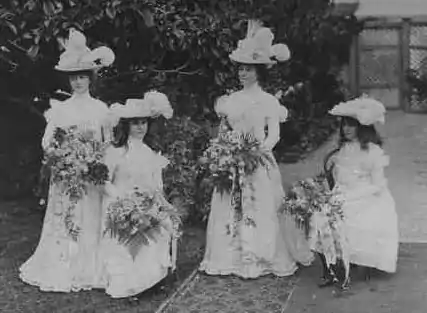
(74, 159)
(232, 156)
(230, 160)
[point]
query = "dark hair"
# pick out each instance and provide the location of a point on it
(262, 74)
(121, 131)
(89, 73)
(261, 71)
(365, 134)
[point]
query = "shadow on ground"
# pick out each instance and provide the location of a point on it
(19, 232)
(404, 291)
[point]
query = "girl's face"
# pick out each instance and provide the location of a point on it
(80, 83)
(247, 75)
(349, 129)
(138, 128)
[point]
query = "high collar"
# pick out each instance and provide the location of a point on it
(134, 143)
(255, 88)
(81, 96)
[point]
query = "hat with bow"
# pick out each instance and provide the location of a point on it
(366, 110)
(78, 57)
(258, 48)
(153, 104)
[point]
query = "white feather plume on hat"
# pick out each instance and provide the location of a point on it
(78, 57)
(258, 48)
(153, 104)
(366, 110)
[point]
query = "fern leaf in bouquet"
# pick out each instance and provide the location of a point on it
(138, 218)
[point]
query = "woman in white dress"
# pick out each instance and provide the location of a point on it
(261, 249)
(62, 262)
(132, 163)
(371, 222)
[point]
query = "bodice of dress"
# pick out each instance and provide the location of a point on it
(135, 166)
(354, 167)
(248, 111)
(87, 114)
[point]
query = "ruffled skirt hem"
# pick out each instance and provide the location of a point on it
(246, 272)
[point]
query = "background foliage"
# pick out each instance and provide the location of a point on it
(179, 47)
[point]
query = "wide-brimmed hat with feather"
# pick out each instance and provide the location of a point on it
(258, 48)
(154, 104)
(78, 57)
(365, 109)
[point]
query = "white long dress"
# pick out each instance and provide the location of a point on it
(262, 249)
(61, 263)
(137, 166)
(370, 221)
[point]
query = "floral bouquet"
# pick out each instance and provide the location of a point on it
(230, 160)
(139, 217)
(310, 196)
(232, 155)
(74, 159)
(318, 210)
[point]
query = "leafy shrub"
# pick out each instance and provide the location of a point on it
(181, 48)
(183, 45)
(182, 141)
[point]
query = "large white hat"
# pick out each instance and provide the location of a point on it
(366, 110)
(153, 104)
(78, 57)
(258, 48)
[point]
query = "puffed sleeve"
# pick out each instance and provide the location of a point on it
(160, 162)
(221, 105)
(378, 161)
(275, 114)
(377, 157)
(275, 110)
(52, 116)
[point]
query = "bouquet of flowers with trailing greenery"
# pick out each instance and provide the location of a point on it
(74, 159)
(233, 155)
(310, 196)
(138, 218)
(318, 210)
(230, 160)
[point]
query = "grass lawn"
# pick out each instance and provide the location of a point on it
(20, 228)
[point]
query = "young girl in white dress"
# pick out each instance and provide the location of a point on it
(370, 218)
(134, 164)
(62, 262)
(261, 249)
